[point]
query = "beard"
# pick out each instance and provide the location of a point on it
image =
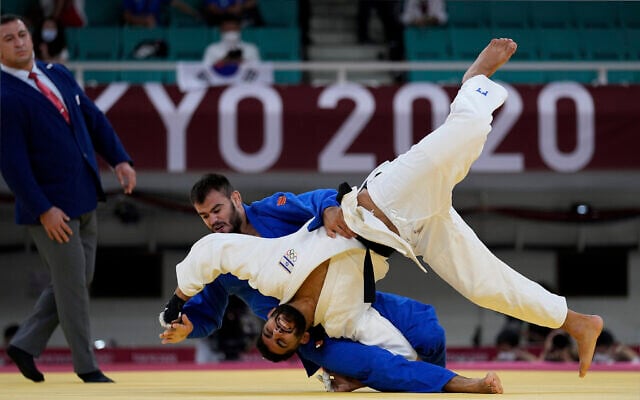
(291, 314)
(235, 220)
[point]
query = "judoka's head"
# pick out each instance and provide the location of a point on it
(16, 45)
(284, 331)
(218, 204)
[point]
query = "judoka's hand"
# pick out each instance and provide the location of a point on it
(334, 223)
(172, 312)
(178, 331)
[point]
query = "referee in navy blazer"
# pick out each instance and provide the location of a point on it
(49, 134)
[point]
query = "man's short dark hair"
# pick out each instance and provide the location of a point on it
(6, 18)
(269, 355)
(206, 184)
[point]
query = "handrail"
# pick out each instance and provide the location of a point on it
(343, 68)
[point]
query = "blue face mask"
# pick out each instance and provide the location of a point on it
(49, 35)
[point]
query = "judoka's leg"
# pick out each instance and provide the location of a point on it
(417, 322)
(377, 368)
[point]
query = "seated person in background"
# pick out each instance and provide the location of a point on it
(149, 13)
(559, 347)
(609, 350)
(246, 11)
(50, 43)
(68, 13)
(424, 13)
(508, 347)
(230, 49)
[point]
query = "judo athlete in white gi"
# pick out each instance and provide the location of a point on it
(404, 204)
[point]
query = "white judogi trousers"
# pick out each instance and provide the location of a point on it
(415, 192)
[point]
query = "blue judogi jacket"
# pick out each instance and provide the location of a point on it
(284, 213)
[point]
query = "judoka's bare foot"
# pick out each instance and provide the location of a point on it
(497, 52)
(584, 329)
(490, 384)
(337, 383)
(341, 383)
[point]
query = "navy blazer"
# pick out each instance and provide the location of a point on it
(45, 161)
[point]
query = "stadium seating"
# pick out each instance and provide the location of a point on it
(596, 14)
(177, 18)
(277, 44)
(132, 37)
(95, 44)
(279, 13)
(18, 7)
(629, 12)
(468, 14)
(544, 30)
(189, 43)
(465, 42)
(509, 14)
(103, 12)
(552, 14)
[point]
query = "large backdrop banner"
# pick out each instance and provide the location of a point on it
(562, 126)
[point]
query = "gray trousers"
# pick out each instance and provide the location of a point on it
(65, 300)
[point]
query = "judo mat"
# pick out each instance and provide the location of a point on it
(240, 381)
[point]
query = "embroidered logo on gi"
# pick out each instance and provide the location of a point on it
(288, 260)
(479, 90)
(282, 200)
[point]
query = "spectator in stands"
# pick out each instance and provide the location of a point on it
(50, 43)
(68, 13)
(388, 12)
(424, 13)
(558, 347)
(230, 50)
(609, 350)
(508, 347)
(246, 11)
(151, 13)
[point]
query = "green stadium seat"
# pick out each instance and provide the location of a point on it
(552, 14)
(100, 43)
(632, 41)
(103, 12)
(279, 13)
(468, 14)
(559, 44)
(188, 44)
(603, 44)
(596, 14)
(466, 42)
(563, 44)
(509, 14)
(522, 77)
(629, 12)
(18, 7)
(277, 44)
(427, 43)
(131, 38)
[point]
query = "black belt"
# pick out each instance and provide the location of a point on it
(367, 271)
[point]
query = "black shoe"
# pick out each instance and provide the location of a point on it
(95, 377)
(24, 362)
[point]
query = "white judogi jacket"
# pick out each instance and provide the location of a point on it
(278, 267)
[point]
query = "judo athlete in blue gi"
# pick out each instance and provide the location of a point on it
(222, 210)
